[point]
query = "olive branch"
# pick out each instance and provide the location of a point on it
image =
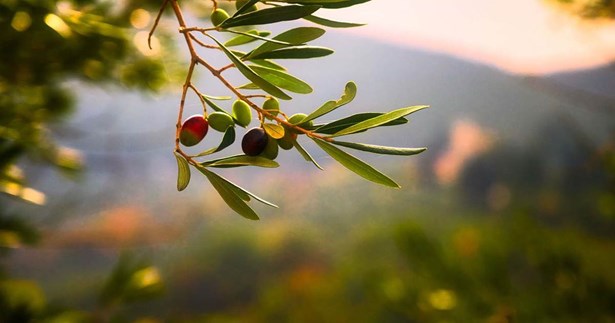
(259, 66)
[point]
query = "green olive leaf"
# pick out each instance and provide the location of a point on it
(282, 79)
(350, 91)
(383, 150)
(245, 7)
(297, 52)
(229, 194)
(328, 4)
(217, 98)
(251, 75)
(245, 39)
(183, 172)
(337, 125)
(241, 160)
(268, 64)
(227, 140)
(270, 15)
(213, 105)
(355, 165)
(305, 154)
(296, 36)
(274, 131)
(331, 23)
(379, 120)
(256, 36)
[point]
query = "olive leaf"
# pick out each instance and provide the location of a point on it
(383, 150)
(230, 195)
(183, 172)
(251, 75)
(245, 39)
(270, 15)
(227, 140)
(356, 165)
(379, 120)
(331, 23)
(245, 7)
(297, 52)
(213, 105)
(256, 36)
(241, 160)
(296, 36)
(275, 131)
(282, 79)
(350, 91)
(338, 125)
(305, 154)
(328, 4)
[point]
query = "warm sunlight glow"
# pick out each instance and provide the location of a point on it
(140, 41)
(521, 36)
(56, 23)
(140, 18)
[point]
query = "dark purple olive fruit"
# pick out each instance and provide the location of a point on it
(193, 130)
(254, 142)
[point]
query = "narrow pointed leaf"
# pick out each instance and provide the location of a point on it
(335, 126)
(257, 36)
(249, 86)
(229, 195)
(227, 140)
(241, 160)
(183, 172)
(217, 98)
(270, 15)
(356, 165)
(245, 39)
(269, 64)
(379, 120)
(251, 75)
(245, 7)
(296, 36)
(240, 191)
(350, 91)
(212, 104)
(274, 130)
(383, 150)
(298, 52)
(328, 4)
(331, 23)
(305, 154)
(282, 79)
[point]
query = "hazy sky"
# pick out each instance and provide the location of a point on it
(519, 36)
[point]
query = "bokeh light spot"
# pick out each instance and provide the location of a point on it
(140, 18)
(21, 21)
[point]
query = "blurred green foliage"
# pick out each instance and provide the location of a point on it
(47, 44)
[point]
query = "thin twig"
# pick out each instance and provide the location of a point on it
(151, 32)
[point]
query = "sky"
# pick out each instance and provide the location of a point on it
(518, 36)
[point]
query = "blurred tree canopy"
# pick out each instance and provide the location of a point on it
(49, 43)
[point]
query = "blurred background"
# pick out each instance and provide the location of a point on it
(507, 217)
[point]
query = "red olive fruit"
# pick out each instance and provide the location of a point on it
(254, 142)
(193, 130)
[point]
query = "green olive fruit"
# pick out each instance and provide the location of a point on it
(286, 142)
(218, 16)
(242, 113)
(220, 121)
(272, 105)
(254, 142)
(297, 118)
(193, 130)
(271, 150)
(241, 3)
